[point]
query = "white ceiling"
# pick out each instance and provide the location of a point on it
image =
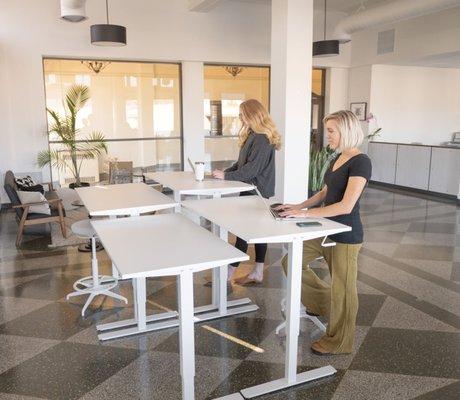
(347, 6)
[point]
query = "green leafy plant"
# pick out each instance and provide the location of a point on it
(371, 118)
(374, 133)
(319, 163)
(73, 149)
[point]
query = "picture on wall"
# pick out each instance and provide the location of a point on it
(359, 109)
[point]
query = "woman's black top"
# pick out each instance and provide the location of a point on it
(336, 181)
(255, 165)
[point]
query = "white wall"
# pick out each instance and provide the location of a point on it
(416, 104)
(336, 97)
(359, 90)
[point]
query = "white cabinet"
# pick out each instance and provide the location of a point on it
(436, 169)
(445, 170)
(383, 157)
(413, 166)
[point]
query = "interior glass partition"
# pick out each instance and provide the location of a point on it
(136, 105)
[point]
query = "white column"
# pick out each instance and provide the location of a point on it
(193, 112)
(290, 105)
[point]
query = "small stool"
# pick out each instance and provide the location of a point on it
(96, 284)
(303, 314)
(303, 310)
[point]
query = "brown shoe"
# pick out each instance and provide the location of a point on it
(246, 280)
(318, 350)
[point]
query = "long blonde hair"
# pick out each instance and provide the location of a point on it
(258, 121)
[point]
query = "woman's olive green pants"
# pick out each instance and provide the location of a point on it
(339, 301)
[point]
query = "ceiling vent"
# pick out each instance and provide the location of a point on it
(386, 42)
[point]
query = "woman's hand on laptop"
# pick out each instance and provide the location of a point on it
(287, 207)
(218, 174)
(294, 213)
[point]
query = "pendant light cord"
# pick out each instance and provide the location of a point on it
(107, 10)
(325, 1)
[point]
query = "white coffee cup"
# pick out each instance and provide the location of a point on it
(199, 170)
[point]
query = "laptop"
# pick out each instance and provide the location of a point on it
(276, 214)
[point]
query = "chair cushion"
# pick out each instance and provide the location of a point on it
(33, 197)
(53, 213)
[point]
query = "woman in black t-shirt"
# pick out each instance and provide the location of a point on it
(345, 181)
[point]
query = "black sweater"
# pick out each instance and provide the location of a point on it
(255, 165)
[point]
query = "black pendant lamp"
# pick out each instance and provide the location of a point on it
(107, 34)
(325, 48)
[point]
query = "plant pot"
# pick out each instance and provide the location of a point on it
(74, 185)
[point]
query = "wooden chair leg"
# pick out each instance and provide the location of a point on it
(21, 227)
(62, 221)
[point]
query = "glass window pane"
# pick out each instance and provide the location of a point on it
(129, 100)
(123, 95)
(223, 149)
(230, 86)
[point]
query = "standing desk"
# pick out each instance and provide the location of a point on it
(124, 199)
(122, 239)
(130, 199)
(249, 218)
(184, 183)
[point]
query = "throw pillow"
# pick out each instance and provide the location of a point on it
(34, 197)
(26, 181)
(35, 188)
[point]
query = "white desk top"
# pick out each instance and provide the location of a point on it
(185, 183)
(249, 218)
(162, 245)
(123, 199)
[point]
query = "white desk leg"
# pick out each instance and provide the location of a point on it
(223, 274)
(216, 272)
(140, 296)
(177, 199)
(291, 378)
(186, 335)
(293, 298)
(115, 273)
(94, 263)
(134, 285)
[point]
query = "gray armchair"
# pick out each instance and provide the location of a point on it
(25, 217)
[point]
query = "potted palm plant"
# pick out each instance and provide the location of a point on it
(73, 149)
(319, 163)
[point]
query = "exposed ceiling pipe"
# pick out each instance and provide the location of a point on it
(73, 10)
(395, 11)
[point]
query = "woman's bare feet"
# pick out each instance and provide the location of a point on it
(255, 277)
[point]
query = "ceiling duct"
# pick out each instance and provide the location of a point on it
(73, 10)
(388, 13)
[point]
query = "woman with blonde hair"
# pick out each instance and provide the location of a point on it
(338, 200)
(258, 140)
